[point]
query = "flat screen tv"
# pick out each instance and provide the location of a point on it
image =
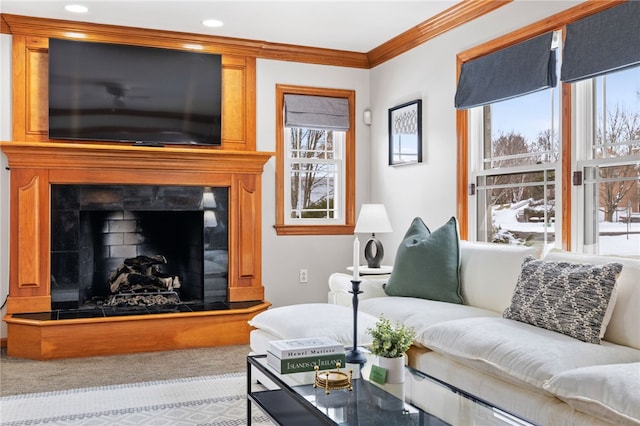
(145, 95)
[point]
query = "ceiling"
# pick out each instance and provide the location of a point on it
(353, 25)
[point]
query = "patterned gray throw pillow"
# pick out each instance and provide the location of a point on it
(569, 298)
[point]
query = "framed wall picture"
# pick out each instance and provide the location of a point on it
(405, 133)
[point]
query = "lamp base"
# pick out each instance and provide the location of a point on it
(373, 259)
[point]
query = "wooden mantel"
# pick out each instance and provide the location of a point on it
(125, 156)
(37, 165)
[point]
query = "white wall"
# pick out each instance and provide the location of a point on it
(428, 72)
(5, 135)
(284, 256)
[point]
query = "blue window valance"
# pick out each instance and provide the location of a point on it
(604, 42)
(514, 71)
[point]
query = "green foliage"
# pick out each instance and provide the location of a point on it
(389, 341)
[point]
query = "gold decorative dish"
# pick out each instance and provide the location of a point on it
(333, 380)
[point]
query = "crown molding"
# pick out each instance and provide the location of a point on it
(43, 27)
(457, 15)
(453, 17)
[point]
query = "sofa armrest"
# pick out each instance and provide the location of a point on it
(340, 286)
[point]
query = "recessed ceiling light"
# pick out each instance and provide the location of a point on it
(213, 23)
(76, 8)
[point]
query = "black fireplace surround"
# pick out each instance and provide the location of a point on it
(94, 228)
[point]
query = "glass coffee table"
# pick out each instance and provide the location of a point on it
(291, 399)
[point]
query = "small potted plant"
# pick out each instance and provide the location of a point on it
(389, 344)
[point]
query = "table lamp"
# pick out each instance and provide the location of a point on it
(373, 219)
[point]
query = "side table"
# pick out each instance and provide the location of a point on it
(364, 270)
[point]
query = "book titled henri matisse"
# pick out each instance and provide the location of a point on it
(306, 347)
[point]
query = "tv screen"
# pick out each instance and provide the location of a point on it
(115, 92)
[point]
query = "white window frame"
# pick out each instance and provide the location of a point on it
(585, 225)
(477, 170)
(339, 138)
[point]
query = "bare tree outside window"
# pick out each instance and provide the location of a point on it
(516, 189)
(620, 139)
(313, 173)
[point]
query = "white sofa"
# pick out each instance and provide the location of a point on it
(545, 376)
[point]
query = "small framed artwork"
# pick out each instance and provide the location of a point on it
(405, 133)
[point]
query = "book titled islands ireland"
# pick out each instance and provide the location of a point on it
(299, 348)
(298, 365)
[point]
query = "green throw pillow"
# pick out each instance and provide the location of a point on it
(427, 264)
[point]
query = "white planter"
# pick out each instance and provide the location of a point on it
(394, 367)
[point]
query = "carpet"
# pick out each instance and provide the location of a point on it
(206, 400)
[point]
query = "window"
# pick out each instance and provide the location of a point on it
(315, 174)
(516, 170)
(514, 141)
(608, 155)
(314, 162)
(565, 159)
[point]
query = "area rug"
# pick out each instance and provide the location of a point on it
(206, 400)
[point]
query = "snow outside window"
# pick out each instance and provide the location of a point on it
(608, 155)
(516, 169)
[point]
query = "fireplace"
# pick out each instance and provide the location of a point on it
(177, 234)
(59, 190)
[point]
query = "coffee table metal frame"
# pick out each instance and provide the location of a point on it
(291, 405)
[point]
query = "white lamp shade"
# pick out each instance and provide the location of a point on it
(373, 219)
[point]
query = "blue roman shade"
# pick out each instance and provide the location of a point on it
(316, 112)
(601, 43)
(514, 71)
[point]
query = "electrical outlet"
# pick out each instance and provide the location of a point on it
(304, 276)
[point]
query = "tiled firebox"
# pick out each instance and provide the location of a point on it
(96, 227)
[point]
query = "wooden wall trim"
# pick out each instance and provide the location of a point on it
(350, 168)
(313, 55)
(4, 25)
(540, 27)
(26, 25)
(459, 14)
(449, 19)
(462, 205)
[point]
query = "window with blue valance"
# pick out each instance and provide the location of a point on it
(514, 71)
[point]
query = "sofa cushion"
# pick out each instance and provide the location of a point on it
(570, 298)
(623, 326)
(489, 273)
(609, 392)
(519, 352)
(427, 263)
(314, 319)
(540, 408)
(419, 314)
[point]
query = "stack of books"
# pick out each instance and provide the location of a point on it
(298, 355)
